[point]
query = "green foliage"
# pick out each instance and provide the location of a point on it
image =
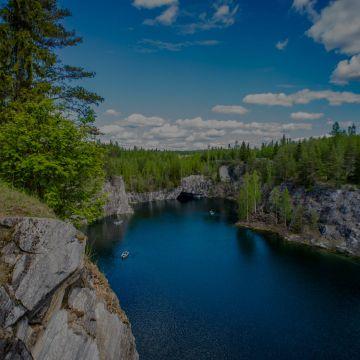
(31, 32)
(51, 158)
(297, 221)
(281, 205)
(286, 207)
(150, 170)
(249, 196)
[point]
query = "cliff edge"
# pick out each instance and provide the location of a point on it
(54, 303)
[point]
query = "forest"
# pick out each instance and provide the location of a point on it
(332, 160)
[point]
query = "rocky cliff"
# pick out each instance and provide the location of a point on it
(338, 213)
(330, 219)
(117, 199)
(55, 304)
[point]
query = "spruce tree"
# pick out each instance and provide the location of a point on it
(31, 32)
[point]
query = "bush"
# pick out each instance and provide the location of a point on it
(51, 158)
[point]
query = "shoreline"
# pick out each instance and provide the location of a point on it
(310, 240)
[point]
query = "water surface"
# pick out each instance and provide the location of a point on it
(196, 287)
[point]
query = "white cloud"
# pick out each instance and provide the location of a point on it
(199, 123)
(338, 27)
(141, 120)
(306, 116)
(154, 45)
(223, 15)
(167, 131)
(151, 4)
(206, 135)
(306, 6)
(110, 129)
(271, 127)
(230, 109)
(112, 112)
(346, 71)
(167, 18)
(302, 97)
(156, 132)
(118, 132)
(281, 45)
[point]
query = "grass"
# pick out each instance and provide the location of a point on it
(16, 203)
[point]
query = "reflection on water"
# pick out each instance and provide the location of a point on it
(196, 287)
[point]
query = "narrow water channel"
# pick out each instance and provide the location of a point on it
(196, 287)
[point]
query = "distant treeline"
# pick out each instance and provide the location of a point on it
(333, 160)
(150, 170)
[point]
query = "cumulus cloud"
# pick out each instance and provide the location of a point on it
(206, 135)
(230, 109)
(151, 4)
(347, 70)
(302, 97)
(281, 45)
(118, 132)
(199, 123)
(306, 116)
(167, 131)
(151, 132)
(337, 27)
(141, 120)
(155, 45)
(112, 112)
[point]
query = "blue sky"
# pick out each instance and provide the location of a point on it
(189, 73)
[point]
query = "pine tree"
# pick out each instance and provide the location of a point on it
(286, 206)
(31, 32)
(352, 130)
(275, 202)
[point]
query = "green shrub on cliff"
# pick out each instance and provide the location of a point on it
(52, 158)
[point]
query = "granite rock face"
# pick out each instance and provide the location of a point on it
(54, 304)
(338, 213)
(137, 198)
(117, 199)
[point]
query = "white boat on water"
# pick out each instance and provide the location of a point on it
(212, 212)
(118, 222)
(125, 255)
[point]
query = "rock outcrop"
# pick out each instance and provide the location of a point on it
(338, 212)
(55, 304)
(194, 184)
(160, 195)
(330, 219)
(117, 199)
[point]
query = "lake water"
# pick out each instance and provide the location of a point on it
(196, 287)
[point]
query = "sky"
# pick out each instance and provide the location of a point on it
(188, 74)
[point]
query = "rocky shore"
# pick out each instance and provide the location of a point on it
(337, 227)
(54, 303)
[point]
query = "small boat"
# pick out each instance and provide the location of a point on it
(118, 222)
(125, 255)
(212, 212)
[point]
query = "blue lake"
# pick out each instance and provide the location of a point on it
(196, 287)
